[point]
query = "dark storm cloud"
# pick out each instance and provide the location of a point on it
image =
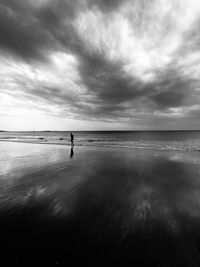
(173, 90)
(31, 29)
(111, 87)
(169, 99)
(27, 31)
(23, 37)
(106, 5)
(19, 6)
(107, 81)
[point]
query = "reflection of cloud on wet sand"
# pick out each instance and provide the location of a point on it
(137, 187)
(161, 200)
(136, 205)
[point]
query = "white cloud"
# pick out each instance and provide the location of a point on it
(23, 85)
(145, 39)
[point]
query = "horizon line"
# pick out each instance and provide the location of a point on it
(146, 130)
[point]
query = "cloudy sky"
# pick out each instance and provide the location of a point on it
(99, 64)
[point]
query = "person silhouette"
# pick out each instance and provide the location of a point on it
(72, 140)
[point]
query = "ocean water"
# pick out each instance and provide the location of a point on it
(161, 140)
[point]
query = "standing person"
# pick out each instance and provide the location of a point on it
(72, 140)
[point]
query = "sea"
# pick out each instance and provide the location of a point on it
(159, 140)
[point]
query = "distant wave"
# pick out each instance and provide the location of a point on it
(176, 141)
(156, 145)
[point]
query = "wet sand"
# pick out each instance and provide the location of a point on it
(98, 207)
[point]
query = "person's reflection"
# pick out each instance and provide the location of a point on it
(72, 152)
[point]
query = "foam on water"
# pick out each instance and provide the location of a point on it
(161, 140)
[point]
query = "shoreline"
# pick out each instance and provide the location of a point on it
(100, 146)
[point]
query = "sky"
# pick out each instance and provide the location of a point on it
(99, 65)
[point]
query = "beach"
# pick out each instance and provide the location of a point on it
(95, 206)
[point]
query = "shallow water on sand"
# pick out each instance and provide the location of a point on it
(158, 140)
(104, 207)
